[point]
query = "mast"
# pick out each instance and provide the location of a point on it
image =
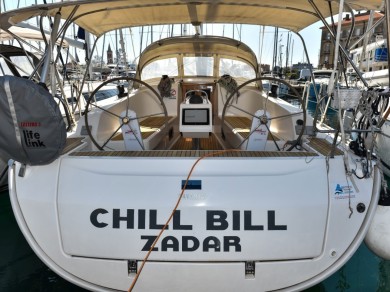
(88, 52)
(123, 56)
(122, 43)
(280, 56)
(292, 52)
(142, 38)
(287, 49)
(275, 53)
(132, 44)
(261, 43)
(117, 52)
(101, 61)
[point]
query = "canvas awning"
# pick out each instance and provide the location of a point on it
(100, 16)
(26, 34)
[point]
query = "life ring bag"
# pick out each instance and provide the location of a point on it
(32, 127)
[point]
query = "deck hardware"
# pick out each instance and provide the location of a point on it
(170, 133)
(132, 267)
(361, 207)
(250, 268)
(22, 170)
(84, 131)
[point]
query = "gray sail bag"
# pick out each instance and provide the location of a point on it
(32, 129)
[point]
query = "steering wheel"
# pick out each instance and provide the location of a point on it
(263, 118)
(122, 120)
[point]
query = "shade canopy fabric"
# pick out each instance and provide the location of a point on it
(27, 34)
(101, 16)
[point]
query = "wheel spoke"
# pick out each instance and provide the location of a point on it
(136, 137)
(147, 116)
(273, 138)
(286, 116)
(112, 136)
(247, 138)
(107, 111)
(127, 103)
(244, 111)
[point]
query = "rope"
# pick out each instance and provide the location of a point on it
(164, 86)
(371, 107)
(226, 81)
(367, 120)
(173, 212)
(348, 172)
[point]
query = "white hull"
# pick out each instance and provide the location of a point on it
(377, 78)
(315, 239)
(373, 65)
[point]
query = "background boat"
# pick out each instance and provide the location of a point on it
(372, 62)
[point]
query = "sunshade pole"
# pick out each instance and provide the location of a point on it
(86, 72)
(312, 78)
(50, 47)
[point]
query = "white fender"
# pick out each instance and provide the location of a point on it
(378, 235)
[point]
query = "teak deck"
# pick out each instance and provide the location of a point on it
(184, 147)
(323, 146)
(241, 125)
(193, 153)
(210, 143)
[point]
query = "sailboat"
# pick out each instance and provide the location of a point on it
(196, 180)
(373, 63)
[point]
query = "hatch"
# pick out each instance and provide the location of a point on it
(232, 209)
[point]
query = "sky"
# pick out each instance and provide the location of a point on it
(261, 45)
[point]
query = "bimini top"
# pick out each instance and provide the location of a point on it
(100, 16)
(27, 34)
